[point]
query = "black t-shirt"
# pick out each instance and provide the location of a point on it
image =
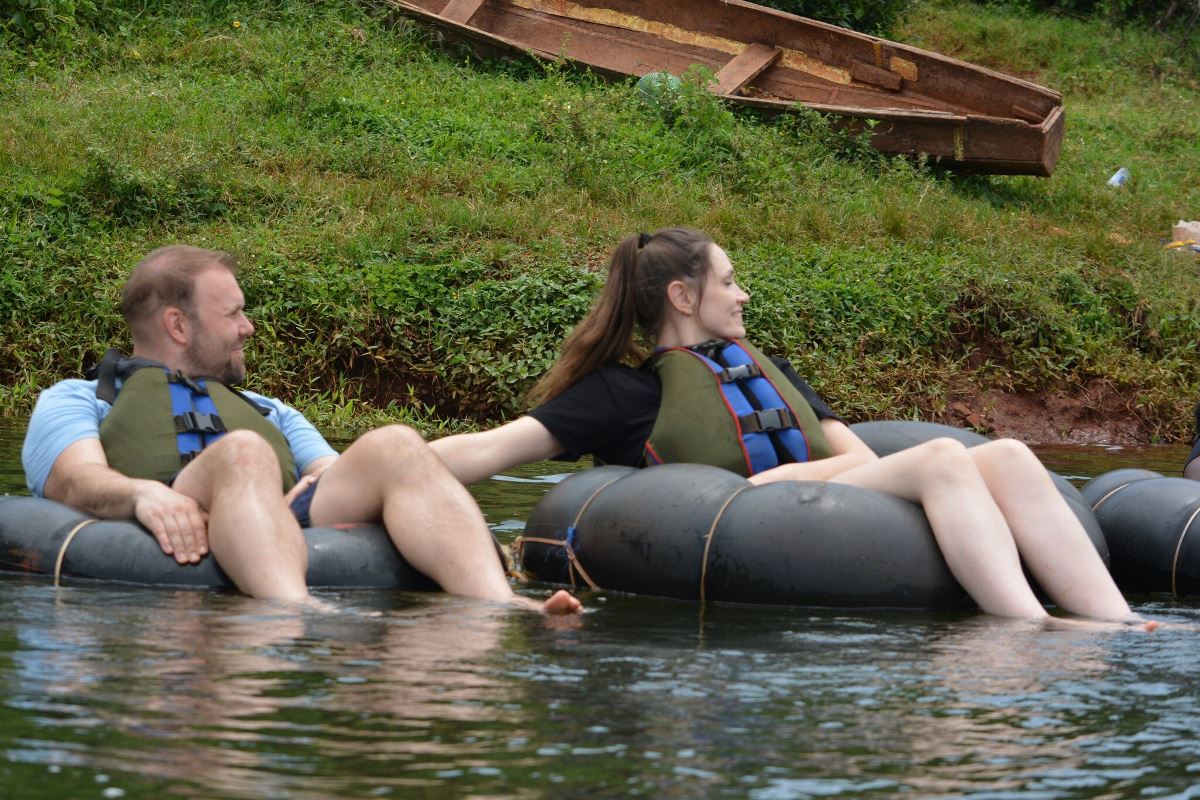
(610, 412)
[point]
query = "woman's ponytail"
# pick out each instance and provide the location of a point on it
(633, 301)
(606, 335)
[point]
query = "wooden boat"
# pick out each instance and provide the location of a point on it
(963, 116)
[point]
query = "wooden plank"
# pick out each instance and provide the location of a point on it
(461, 11)
(864, 72)
(744, 67)
(1028, 114)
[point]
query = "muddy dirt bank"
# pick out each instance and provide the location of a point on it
(1097, 414)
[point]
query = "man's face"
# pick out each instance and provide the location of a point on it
(218, 327)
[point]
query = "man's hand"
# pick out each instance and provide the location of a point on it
(175, 520)
(302, 484)
(309, 477)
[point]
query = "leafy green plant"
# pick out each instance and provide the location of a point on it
(32, 20)
(874, 16)
(418, 231)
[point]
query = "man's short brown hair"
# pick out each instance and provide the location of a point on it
(166, 277)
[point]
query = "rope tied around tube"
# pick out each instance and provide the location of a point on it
(1179, 548)
(568, 542)
(62, 550)
(708, 538)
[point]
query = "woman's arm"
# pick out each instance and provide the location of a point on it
(849, 452)
(472, 457)
(1192, 469)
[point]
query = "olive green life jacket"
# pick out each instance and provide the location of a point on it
(726, 404)
(160, 419)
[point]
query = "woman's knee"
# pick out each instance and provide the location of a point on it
(1008, 452)
(947, 460)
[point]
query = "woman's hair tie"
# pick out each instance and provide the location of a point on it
(643, 240)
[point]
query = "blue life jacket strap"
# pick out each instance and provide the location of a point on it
(197, 423)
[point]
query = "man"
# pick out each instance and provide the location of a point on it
(186, 312)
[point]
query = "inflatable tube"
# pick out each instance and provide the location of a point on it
(35, 534)
(1151, 524)
(695, 532)
(700, 533)
(891, 436)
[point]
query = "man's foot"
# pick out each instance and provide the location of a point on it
(561, 603)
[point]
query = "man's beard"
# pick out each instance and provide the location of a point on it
(227, 370)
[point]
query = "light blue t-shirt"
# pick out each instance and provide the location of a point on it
(70, 411)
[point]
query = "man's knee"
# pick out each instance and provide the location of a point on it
(393, 442)
(242, 450)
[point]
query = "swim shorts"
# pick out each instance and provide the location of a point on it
(302, 503)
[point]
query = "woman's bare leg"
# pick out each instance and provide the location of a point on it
(1049, 537)
(970, 529)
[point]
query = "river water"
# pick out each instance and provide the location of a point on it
(125, 693)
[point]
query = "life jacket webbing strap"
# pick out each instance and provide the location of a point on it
(739, 373)
(105, 374)
(175, 376)
(768, 419)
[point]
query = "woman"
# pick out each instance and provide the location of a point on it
(986, 504)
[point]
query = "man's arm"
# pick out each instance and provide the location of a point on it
(81, 478)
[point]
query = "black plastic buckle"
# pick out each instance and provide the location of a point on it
(191, 422)
(739, 373)
(768, 419)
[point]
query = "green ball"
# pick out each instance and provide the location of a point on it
(658, 88)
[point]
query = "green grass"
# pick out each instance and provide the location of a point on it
(419, 230)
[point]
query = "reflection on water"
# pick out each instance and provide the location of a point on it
(114, 693)
(110, 692)
(1083, 462)
(12, 477)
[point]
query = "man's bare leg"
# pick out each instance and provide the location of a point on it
(391, 474)
(251, 532)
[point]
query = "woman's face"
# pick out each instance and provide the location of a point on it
(719, 312)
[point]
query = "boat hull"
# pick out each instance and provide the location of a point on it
(912, 101)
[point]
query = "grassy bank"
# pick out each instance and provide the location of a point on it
(418, 230)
